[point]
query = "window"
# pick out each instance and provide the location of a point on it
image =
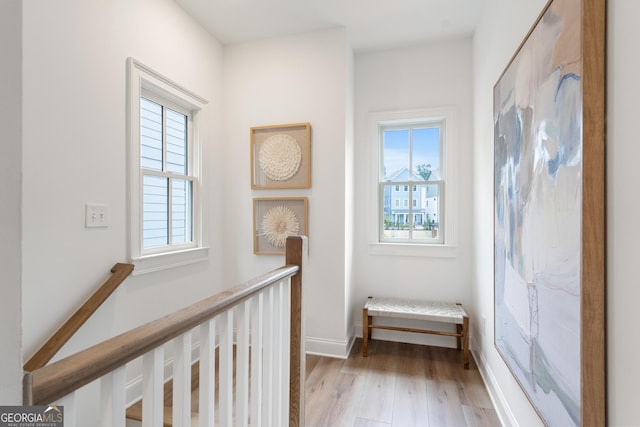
(165, 217)
(167, 184)
(413, 150)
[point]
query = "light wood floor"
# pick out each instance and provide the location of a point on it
(397, 385)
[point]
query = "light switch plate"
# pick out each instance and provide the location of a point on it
(96, 216)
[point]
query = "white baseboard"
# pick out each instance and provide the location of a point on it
(507, 419)
(330, 348)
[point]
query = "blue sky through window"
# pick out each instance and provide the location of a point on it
(425, 148)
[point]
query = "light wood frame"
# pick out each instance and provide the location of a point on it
(301, 132)
(592, 300)
(262, 205)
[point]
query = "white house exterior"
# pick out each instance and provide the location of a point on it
(411, 195)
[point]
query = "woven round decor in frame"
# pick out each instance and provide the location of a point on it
(280, 157)
(278, 223)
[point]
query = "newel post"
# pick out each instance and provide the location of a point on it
(296, 246)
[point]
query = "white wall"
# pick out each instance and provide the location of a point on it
(623, 211)
(349, 217)
(430, 76)
(10, 195)
(504, 25)
(302, 78)
(75, 151)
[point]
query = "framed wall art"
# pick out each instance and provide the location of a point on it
(281, 156)
(275, 219)
(549, 222)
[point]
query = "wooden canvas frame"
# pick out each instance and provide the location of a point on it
(263, 206)
(289, 171)
(589, 17)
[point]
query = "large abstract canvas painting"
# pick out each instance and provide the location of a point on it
(539, 228)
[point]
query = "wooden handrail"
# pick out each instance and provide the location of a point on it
(61, 336)
(51, 382)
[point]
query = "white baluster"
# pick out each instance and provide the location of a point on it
(182, 380)
(68, 403)
(113, 398)
(242, 363)
(206, 411)
(225, 354)
(267, 391)
(277, 363)
(286, 346)
(256, 360)
(152, 388)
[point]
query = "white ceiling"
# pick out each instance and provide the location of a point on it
(370, 24)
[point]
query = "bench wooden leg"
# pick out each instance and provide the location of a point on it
(459, 331)
(366, 331)
(465, 342)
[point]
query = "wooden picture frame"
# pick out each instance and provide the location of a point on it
(281, 156)
(549, 201)
(276, 218)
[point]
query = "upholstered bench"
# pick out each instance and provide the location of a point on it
(421, 310)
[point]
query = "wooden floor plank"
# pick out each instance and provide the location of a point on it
(345, 392)
(480, 417)
(360, 422)
(356, 364)
(475, 392)
(446, 362)
(410, 409)
(377, 397)
(444, 401)
(319, 388)
(417, 360)
(310, 363)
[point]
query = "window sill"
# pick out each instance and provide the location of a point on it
(407, 249)
(158, 262)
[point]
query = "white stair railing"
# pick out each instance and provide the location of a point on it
(259, 386)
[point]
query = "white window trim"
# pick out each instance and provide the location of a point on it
(375, 121)
(143, 79)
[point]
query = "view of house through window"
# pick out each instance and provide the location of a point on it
(411, 170)
(167, 210)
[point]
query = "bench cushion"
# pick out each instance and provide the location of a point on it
(413, 309)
